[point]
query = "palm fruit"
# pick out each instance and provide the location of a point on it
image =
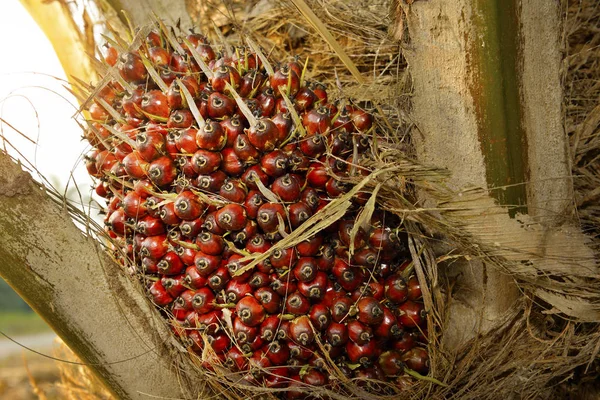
(194, 182)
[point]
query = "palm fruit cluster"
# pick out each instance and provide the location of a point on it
(203, 165)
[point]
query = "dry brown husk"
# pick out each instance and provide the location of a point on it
(536, 352)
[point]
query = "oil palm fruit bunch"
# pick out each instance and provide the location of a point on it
(209, 156)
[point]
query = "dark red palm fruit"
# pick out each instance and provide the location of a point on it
(414, 289)
(345, 230)
(170, 145)
(222, 75)
(335, 187)
(188, 207)
(337, 334)
(341, 308)
(312, 146)
(404, 342)
(90, 164)
(186, 254)
(211, 182)
(170, 264)
(210, 243)
(359, 333)
(365, 257)
(234, 191)
(193, 278)
(250, 311)
(298, 352)
(269, 327)
(159, 294)
(375, 289)
(314, 377)
(243, 333)
(250, 82)
(154, 105)
(305, 269)
(174, 285)
(98, 113)
(362, 354)
(210, 224)
(325, 258)
(159, 56)
(242, 236)
(134, 205)
(184, 164)
(191, 229)
(104, 161)
(421, 336)
(131, 68)
(175, 98)
(218, 279)
(274, 163)
(340, 144)
(297, 304)
(304, 99)
(396, 290)
(411, 314)
(154, 247)
(283, 122)
(102, 189)
(174, 235)
(286, 80)
(232, 128)
(235, 360)
(310, 197)
(254, 174)
(258, 364)
(287, 188)
(266, 101)
(179, 313)
(283, 287)
(384, 239)
(167, 214)
(181, 119)
(301, 331)
(298, 213)
(348, 277)
(162, 171)
(211, 136)
(283, 258)
(417, 359)
(257, 244)
(220, 106)
(116, 222)
(309, 247)
(231, 217)
(278, 352)
(317, 121)
(270, 300)
(244, 149)
(267, 217)
(148, 266)
(258, 280)
(132, 103)
(370, 312)
(236, 289)
(320, 316)
(208, 323)
(315, 289)
(185, 139)
(254, 200)
(361, 120)
(264, 135)
(154, 39)
(203, 300)
(277, 378)
(317, 175)
(342, 122)
(219, 342)
(185, 299)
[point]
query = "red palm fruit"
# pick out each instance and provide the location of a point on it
(263, 135)
(362, 120)
(414, 289)
(154, 105)
(282, 287)
(170, 264)
(186, 254)
(342, 122)
(159, 56)
(252, 203)
(365, 257)
(134, 205)
(211, 225)
(154, 247)
(278, 377)
(417, 359)
(211, 136)
(297, 304)
(104, 161)
(193, 341)
(383, 239)
(320, 316)
(301, 331)
(225, 74)
(203, 300)
(337, 334)
(341, 308)
(131, 68)
(243, 333)
(193, 278)
(287, 188)
(179, 313)
(244, 149)
(266, 102)
(304, 100)
(411, 314)
(370, 311)
(167, 214)
(267, 297)
(236, 289)
(314, 377)
(235, 360)
(269, 327)
(185, 299)
(218, 279)
(206, 162)
(254, 174)
(174, 285)
(185, 139)
(250, 82)
(359, 333)
(326, 258)
(111, 55)
(132, 103)
(310, 197)
(162, 171)
(220, 106)
(232, 217)
(345, 230)
(317, 175)
(299, 351)
(160, 297)
(312, 146)
(348, 277)
(148, 266)
(257, 244)
(242, 236)
(90, 164)
(362, 354)
(315, 289)
(298, 213)
(283, 259)
(375, 289)
(335, 187)
(339, 145)
(250, 311)
(283, 122)
(191, 229)
(317, 121)
(116, 222)
(219, 342)
(232, 128)
(404, 342)
(153, 39)
(211, 182)
(275, 163)
(210, 243)
(306, 269)
(258, 280)
(188, 206)
(98, 113)
(396, 290)
(234, 191)
(181, 119)
(135, 166)
(209, 322)
(170, 144)
(259, 364)
(278, 352)
(309, 247)
(286, 80)
(267, 216)
(102, 189)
